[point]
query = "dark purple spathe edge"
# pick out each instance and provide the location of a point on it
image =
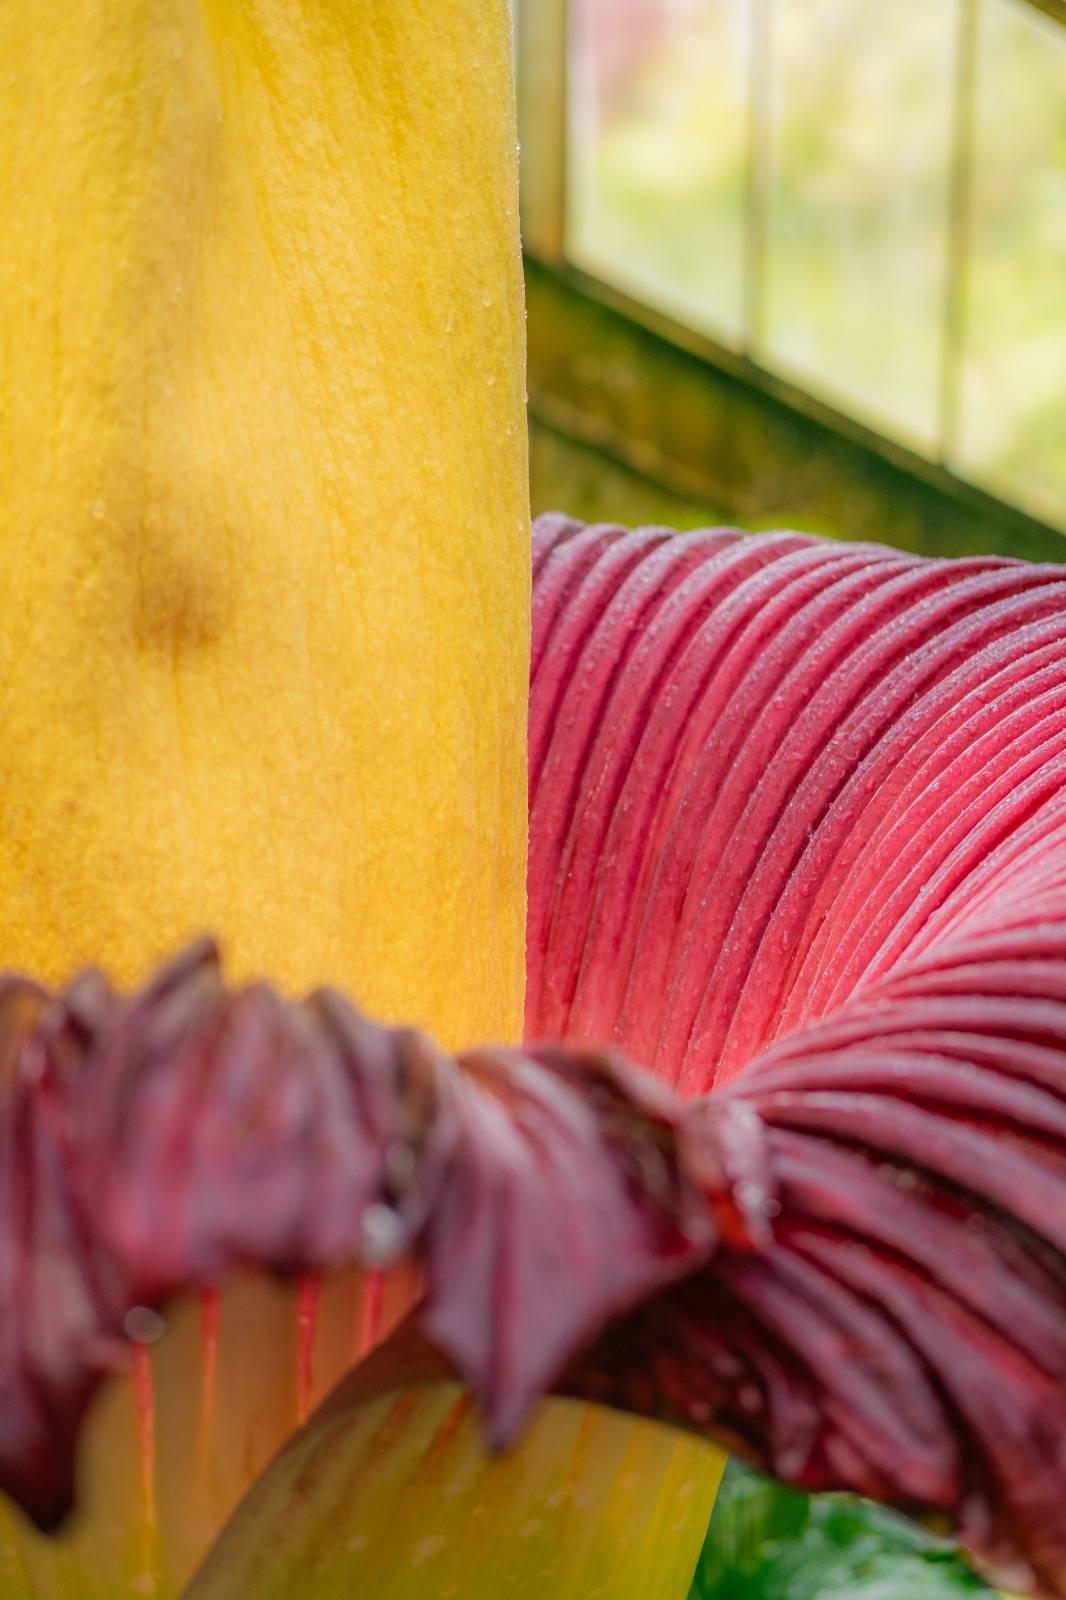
(857, 1281)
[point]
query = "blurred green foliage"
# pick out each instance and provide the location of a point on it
(766, 1542)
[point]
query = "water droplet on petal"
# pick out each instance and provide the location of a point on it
(143, 1325)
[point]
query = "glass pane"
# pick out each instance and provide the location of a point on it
(1013, 409)
(861, 97)
(656, 168)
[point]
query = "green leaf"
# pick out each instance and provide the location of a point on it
(766, 1542)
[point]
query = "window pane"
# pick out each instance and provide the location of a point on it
(861, 97)
(657, 152)
(1014, 387)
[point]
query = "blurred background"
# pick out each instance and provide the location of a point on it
(801, 263)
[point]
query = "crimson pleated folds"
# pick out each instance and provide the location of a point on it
(799, 841)
(798, 844)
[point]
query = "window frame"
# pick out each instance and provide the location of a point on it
(542, 38)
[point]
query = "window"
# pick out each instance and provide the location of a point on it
(868, 201)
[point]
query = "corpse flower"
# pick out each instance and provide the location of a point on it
(276, 1273)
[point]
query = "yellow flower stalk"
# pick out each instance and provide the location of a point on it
(265, 541)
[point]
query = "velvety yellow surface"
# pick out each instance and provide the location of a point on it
(264, 557)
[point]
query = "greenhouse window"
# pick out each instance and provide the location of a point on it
(866, 202)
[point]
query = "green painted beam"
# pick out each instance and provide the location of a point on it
(703, 427)
(591, 484)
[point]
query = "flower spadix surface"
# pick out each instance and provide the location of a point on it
(264, 579)
(264, 531)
